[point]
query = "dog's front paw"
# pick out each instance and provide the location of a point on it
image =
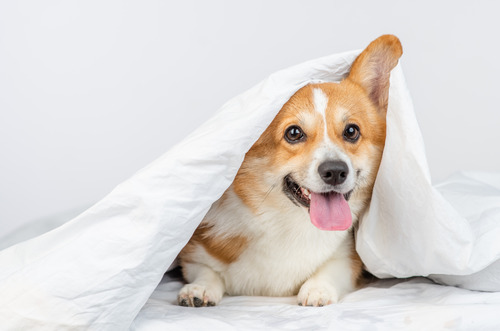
(317, 294)
(194, 295)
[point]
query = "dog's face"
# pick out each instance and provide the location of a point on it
(325, 145)
(329, 140)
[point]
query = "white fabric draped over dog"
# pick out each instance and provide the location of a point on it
(99, 269)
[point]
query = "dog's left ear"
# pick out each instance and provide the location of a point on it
(371, 69)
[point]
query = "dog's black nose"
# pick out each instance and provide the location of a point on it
(333, 172)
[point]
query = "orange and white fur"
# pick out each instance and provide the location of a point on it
(285, 225)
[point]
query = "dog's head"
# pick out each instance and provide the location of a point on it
(325, 145)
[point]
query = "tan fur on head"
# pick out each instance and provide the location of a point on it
(258, 240)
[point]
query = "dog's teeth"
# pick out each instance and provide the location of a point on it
(309, 196)
(305, 191)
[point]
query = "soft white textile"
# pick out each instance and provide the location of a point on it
(476, 196)
(410, 228)
(414, 304)
(98, 270)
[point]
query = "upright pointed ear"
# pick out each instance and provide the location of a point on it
(371, 69)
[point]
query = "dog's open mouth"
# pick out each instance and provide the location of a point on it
(328, 210)
(299, 194)
(296, 193)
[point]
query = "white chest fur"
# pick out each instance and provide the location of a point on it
(283, 248)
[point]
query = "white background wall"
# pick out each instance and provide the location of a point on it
(92, 91)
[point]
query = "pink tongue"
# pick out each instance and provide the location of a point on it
(330, 211)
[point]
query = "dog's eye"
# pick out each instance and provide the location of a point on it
(351, 133)
(294, 134)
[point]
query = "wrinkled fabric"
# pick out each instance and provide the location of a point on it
(411, 228)
(98, 270)
(414, 304)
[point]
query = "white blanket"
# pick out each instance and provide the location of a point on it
(98, 270)
(414, 304)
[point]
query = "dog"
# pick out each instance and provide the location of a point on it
(286, 224)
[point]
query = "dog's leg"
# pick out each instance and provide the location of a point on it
(205, 289)
(330, 282)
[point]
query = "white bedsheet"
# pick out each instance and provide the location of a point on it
(98, 271)
(413, 304)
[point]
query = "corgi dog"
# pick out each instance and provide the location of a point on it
(286, 224)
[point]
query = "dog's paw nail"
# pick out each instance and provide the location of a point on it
(317, 295)
(197, 302)
(194, 295)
